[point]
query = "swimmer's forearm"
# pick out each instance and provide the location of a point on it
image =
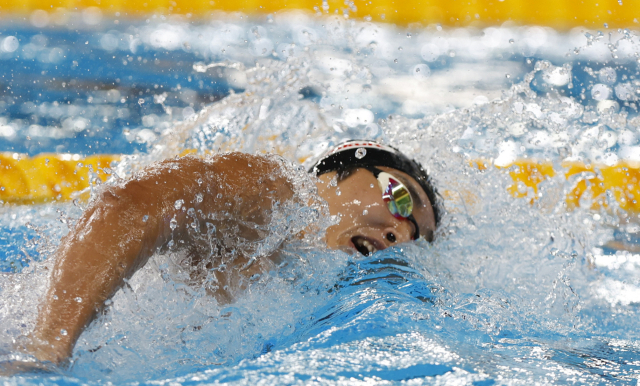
(82, 280)
(129, 223)
(108, 242)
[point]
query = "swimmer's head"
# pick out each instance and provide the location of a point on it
(381, 196)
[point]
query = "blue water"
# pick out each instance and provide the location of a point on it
(509, 293)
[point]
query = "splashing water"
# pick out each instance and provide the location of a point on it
(512, 290)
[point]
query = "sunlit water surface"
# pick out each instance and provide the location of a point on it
(509, 293)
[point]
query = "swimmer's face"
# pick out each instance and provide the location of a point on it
(366, 224)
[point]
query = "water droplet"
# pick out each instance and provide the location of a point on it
(78, 299)
(511, 41)
(606, 25)
(600, 92)
(399, 48)
(338, 192)
(607, 75)
(361, 152)
(199, 197)
(200, 67)
(395, 60)
(620, 2)
(219, 195)
(55, 297)
(63, 332)
(508, 76)
(173, 224)
(421, 71)
(141, 101)
(178, 204)
(408, 35)
(564, 151)
(365, 212)
(145, 218)
(371, 186)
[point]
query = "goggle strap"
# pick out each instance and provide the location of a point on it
(416, 234)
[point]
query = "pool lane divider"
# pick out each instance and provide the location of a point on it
(47, 178)
(597, 185)
(559, 14)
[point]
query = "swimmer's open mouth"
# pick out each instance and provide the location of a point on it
(363, 245)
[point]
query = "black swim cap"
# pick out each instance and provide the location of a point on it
(354, 153)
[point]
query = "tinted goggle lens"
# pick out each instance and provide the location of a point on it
(396, 195)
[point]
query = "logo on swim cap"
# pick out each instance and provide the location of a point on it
(356, 144)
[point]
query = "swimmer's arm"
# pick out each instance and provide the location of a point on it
(119, 231)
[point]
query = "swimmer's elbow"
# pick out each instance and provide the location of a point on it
(121, 210)
(131, 195)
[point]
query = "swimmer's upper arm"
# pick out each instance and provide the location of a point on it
(127, 223)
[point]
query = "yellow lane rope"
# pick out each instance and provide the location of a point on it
(58, 177)
(587, 181)
(48, 177)
(560, 14)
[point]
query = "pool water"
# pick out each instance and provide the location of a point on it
(513, 291)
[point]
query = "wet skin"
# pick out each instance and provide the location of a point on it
(357, 200)
(129, 222)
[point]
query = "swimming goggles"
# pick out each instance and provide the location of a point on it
(397, 197)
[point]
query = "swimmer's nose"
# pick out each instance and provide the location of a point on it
(398, 234)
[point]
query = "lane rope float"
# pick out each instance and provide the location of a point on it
(559, 14)
(49, 177)
(59, 177)
(590, 183)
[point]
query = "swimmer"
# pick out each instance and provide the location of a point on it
(385, 199)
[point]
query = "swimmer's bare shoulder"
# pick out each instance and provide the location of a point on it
(128, 222)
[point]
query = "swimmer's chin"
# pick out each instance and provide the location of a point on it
(351, 250)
